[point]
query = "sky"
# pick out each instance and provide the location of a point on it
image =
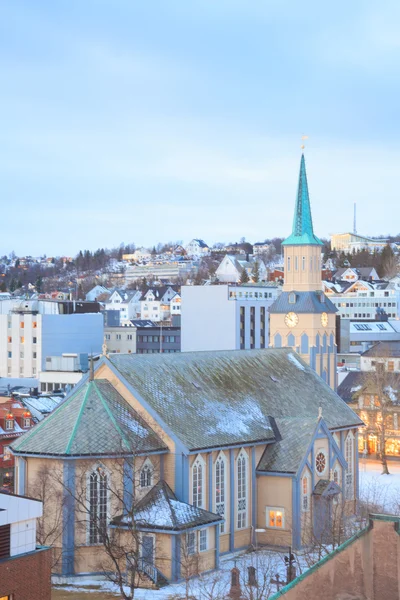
(131, 121)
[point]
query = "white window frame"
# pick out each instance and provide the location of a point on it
(193, 536)
(149, 468)
(10, 424)
(305, 496)
(204, 533)
(349, 475)
(199, 463)
(27, 422)
(275, 509)
(242, 492)
(94, 468)
(324, 452)
(220, 499)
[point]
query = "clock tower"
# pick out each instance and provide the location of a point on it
(302, 317)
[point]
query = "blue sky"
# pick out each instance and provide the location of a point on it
(125, 120)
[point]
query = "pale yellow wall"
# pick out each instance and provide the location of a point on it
(307, 279)
(276, 492)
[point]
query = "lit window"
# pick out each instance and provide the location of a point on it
(275, 517)
(22, 324)
(22, 340)
(34, 324)
(349, 455)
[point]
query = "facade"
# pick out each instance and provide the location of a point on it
(159, 271)
(374, 394)
(365, 566)
(143, 337)
(262, 247)
(364, 299)
(303, 317)
(127, 302)
(226, 317)
(15, 419)
(28, 336)
(25, 569)
(155, 303)
(351, 242)
(351, 274)
(359, 336)
(197, 249)
(63, 372)
(231, 267)
(208, 448)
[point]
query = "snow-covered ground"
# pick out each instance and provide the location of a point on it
(380, 492)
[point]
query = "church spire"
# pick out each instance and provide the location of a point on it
(302, 232)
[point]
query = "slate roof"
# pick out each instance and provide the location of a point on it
(286, 455)
(325, 487)
(93, 420)
(213, 399)
(302, 232)
(160, 509)
(356, 381)
(306, 302)
(384, 350)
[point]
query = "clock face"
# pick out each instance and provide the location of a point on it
(291, 319)
(324, 319)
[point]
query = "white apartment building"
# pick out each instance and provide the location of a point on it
(28, 334)
(19, 513)
(197, 248)
(155, 304)
(226, 317)
(230, 268)
(364, 299)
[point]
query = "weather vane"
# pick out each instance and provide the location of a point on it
(304, 137)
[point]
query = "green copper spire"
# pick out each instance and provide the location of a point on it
(302, 232)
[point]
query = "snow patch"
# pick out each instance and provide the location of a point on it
(296, 362)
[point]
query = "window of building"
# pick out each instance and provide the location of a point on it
(303, 263)
(288, 263)
(146, 475)
(191, 543)
(107, 336)
(9, 354)
(98, 505)
(220, 491)
(118, 336)
(296, 263)
(241, 495)
(391, 365)
(275, 517)
(9, 339)
(22, 324)
(349, 456)
(305, 493)
(5, 546)
(198, 482)
(9, 422)
(27, 422)
(34, 324)
(6, 453)
(321, 461)
(33, 354)
(129, 336)
(34, 340)
(22, 340)
(203, 540)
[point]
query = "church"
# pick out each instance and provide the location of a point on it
(201, 449)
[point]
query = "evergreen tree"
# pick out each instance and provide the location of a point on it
(39, 284)
(13, 285)
(255, 272)
(244, 278)
(3, 287)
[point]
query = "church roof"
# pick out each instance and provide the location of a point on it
(305, 302)
(222, 398)
(160, 509)
(94, 420)
(302, 232)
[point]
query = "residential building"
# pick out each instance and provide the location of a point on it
(156, 339)
(358, 336)
(363, 299)
(140, 255)
(159, 271)
(197, 249)
(155, 303)
(262, 248)
(376, 399)
(226, 317)
(15, 419)
(122, 339)
(351, 274)
(231, 268)
(127, 302)
(95, 292)
(352, 242)
(302, 317)
(224, 443)
(25, 568)
(29, 333)
(364, 566)
(63, 372)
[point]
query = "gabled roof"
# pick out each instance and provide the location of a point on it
(302, 232)
(222, 398)
(306, 302)
(94, 420)
(160, 509)
(385, 350)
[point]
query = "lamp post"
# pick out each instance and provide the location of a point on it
(256, 545)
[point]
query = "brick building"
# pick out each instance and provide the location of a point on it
(15, 419)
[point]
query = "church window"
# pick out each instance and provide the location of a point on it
(191, 543)
(311, 263)
(321, 462)
(241, 472)
(291, 340)
(278, 340)
(349, 456)
(305, 493)
(220, 487)
(203, 540)
(198, 482)
(275, 517)
(288, 263)
(292, 298)
(146, 475)
(336, 476)
(304, 344)
(303, 263)
(296, 263)
(98, 504)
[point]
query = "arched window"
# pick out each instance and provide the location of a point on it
(241, 478)
(291, 341)
(98, 504)
(288, 263)
(303, 263)
(304, 344)
(146, 475)
(278, 340)
(349, 456)
(305, 493)
(198, 482)
(220, 487)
